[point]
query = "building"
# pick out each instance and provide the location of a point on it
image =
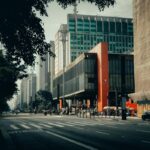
(87, 31)
(23, 93)
(62, 48)
(141, 14)
(31, 88)
(96, 76)
(27, 91)
(45, 70)
(82, 33)
(42, 74)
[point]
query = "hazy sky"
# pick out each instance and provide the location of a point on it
(58, 15)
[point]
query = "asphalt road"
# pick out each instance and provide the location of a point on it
(38, 132)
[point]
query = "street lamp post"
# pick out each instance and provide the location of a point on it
(116, 96)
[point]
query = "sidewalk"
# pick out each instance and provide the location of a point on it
(107, 117)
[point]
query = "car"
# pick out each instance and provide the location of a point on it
(146, 115)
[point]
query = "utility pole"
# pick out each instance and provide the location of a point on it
(116, 96)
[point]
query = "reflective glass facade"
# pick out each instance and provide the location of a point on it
(80, 78)
(87, 31)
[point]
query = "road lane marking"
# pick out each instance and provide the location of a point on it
(75, 123)
(73, 141)
(25, 126)
(54, 124)
(89, 123)
(36, 126)
(111, 126)
(101, 132)
(47, 126)
(65, 124)
(143, 131)
(143, 141)
(14, 127)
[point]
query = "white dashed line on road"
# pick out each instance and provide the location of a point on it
(45, 125)
(55, 124)
(36, 126)
(24, 126)
(101, 132)
(14, 127)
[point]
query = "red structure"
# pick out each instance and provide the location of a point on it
(103, 78)
(132, 107)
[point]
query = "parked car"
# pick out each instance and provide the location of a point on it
(146, 115)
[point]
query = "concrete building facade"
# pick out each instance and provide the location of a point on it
(141, 13)
(62, 48)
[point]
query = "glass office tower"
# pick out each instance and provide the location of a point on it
(86, 31)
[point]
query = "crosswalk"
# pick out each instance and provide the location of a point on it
(57, 124)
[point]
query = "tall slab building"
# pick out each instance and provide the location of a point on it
(86, 31)
(141, 13)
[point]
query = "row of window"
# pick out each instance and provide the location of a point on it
(105, 27)
(115, 82)
(102, 37)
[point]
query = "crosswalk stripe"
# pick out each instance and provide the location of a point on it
(36, 126)
(14, 127)
(89, 123)
(25, 126)
(75, 123)
(47, 126)
(54, 124)
(64, 124)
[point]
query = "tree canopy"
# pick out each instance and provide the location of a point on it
(21, 30)
(22, 36)
(43, 100)
(8, 76)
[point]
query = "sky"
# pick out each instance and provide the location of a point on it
(58, 15)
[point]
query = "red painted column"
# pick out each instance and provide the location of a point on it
(60, 104)
(103, 74)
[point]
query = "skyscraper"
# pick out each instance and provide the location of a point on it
(62, 48)
(141, 15)
(86, 31)
(42, 73)
(28, 90)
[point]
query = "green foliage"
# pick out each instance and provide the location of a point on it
(3, 106)
(8, 76)
(21, 30)
(100, 3)
(22, 35)
(43, 100)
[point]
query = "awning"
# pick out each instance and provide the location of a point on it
(140, 96)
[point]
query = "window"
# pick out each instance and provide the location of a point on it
(106, 27)
(124, 28)
(99, 26)
(112, 27)
(118, 27)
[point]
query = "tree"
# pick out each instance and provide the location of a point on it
(22, 35)
(3, 106)
(21, 30)
(8, 76)
(43, 100)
